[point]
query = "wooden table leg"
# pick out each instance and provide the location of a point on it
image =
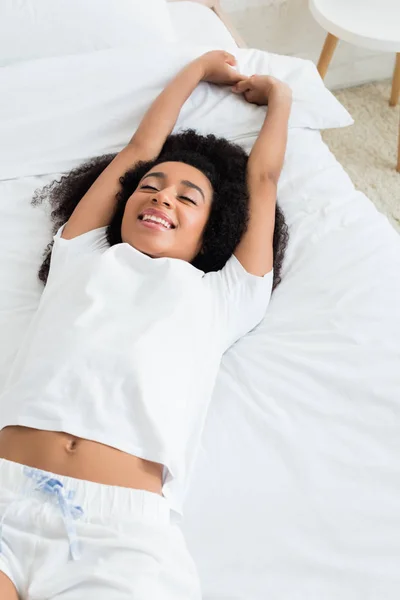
(394, 98)
(326, 54)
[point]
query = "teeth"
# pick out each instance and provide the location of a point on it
(157, 220)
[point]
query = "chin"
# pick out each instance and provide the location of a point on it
(152, 252)
(143, 246)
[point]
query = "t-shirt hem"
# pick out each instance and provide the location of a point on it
(107, 441)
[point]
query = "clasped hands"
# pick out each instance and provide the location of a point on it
(217, 67)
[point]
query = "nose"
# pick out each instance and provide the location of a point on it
(163, 196)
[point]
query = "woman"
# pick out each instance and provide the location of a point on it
(164, 255)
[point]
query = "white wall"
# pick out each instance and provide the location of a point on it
(287, 27)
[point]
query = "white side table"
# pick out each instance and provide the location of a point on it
(373, 24)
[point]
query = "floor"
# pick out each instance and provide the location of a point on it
(368, 149)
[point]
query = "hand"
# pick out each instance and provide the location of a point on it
(217, 67)
(260, 89)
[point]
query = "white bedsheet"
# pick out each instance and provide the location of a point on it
(296, 491)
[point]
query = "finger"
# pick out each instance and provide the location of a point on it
(236, 78)
(242, 86)
(251, 97)
(229, 58)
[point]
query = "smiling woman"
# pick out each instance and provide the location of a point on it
(169, 201)
(143, 265)
(201, 189)
(95, 195)
(222, 164)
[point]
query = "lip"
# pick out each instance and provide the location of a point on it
(152, 225)
(157, 213)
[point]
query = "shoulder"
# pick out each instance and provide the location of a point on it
(234, 274)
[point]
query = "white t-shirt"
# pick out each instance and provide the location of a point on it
(124, 350)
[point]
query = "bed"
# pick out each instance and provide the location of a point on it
(296, 490)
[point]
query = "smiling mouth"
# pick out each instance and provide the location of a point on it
(154, 225)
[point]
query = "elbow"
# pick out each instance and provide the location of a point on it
(263, 179)
(143, 150)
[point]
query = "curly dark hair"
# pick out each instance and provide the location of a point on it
(223, 163)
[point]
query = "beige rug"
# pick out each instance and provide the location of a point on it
(368, 149)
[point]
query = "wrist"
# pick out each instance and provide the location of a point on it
(281, 94)
(197, 67)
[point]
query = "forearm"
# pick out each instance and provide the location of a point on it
(161, 117)
(268, 153)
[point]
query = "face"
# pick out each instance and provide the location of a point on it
(181, 196)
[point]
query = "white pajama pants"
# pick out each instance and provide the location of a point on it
(68, 539)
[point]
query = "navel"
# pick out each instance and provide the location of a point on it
(71, 445)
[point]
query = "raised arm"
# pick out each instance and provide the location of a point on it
(97, 206)
(255, 250)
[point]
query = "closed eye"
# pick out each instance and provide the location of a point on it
(149, 187)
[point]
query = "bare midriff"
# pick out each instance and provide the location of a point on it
(66, 454)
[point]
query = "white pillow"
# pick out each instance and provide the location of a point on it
(32, 29)
(71, 108)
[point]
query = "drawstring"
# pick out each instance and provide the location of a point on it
(54, 487)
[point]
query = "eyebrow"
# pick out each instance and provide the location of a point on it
(161, 175)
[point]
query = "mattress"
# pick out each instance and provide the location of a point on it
(296, 489)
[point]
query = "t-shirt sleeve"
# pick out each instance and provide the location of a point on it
(240, 300)
(65, 251)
